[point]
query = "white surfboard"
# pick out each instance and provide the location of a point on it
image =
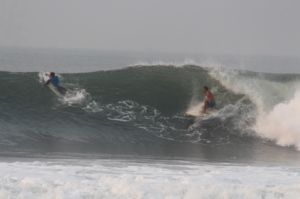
(45, 77)
(196, 111)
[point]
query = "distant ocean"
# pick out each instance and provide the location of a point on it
(121, 130)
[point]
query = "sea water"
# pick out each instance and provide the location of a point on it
(121, 132)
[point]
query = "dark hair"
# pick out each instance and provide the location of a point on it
(52, 74)
(205, 87)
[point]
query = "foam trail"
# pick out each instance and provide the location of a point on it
(76, 96)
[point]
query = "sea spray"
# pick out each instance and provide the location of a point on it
(282, 123)
(277, 103)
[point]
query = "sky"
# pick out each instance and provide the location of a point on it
(259, 27)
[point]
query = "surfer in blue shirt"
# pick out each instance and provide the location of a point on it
(54, 80)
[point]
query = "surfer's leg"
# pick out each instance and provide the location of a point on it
(205, 106)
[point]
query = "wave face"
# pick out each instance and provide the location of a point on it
(140, 110)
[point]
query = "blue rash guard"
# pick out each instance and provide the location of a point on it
(55, 81)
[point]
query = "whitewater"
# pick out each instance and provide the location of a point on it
(116, 178)
(121, 129)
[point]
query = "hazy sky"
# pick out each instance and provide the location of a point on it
(199, 26)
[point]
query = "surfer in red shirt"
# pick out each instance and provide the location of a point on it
(209, 99)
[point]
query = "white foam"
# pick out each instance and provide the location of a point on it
(278, 104)
(42, 77)
(207, 62)
(75, 96)
(282, 123)
(121, 179)
(93, 107)
(195, 108)
(186, 61)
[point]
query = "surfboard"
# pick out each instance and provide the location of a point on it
(196, 111)
(45, 78)
(200, 114)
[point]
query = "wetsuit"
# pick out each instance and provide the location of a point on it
(55, 82)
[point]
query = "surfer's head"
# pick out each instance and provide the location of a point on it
(205, 88)
(52, 74)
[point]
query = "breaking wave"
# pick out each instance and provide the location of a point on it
(142, 108)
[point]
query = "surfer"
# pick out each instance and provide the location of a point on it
(209, 99)
(54, 80)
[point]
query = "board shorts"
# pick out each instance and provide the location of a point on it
(211, 104)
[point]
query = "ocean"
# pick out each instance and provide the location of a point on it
(121, 130)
